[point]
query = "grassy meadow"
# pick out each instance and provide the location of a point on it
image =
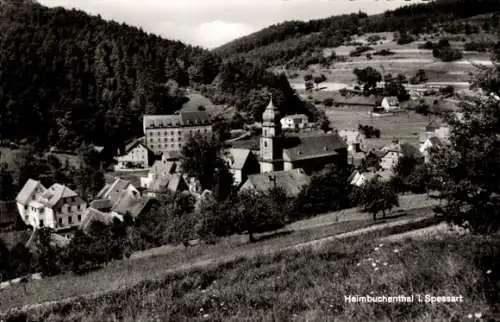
(310, 285)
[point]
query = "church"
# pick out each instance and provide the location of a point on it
(310, 151)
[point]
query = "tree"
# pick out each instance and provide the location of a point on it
(377, 197)
(221, 130)
(327, 191)
(256, 214)
(7, 187)
(368, 76)
(319, 79)
(468, 171)
(48, 255)
(202, 159)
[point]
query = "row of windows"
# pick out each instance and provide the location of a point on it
(178, 132)
(70, 220)
(159, 146)
(164, 139)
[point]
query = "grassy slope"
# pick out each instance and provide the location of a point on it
(310, 285)
(154, 264)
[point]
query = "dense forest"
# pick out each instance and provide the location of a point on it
(275, 44)
(68, 78)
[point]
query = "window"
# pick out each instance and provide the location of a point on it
(42, 210)
(70, 219)
(171, 145)
(79, 218)
(179, 132)
(165, 133)
(41, 223)
(198, 131)
(26, 207)
(171, 132)
(60, 221)
(265, 144)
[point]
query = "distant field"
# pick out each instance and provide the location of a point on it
(405, 126)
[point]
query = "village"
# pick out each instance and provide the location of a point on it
(287, 153)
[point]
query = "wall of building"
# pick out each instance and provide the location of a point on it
(389, 161)
(161, 140)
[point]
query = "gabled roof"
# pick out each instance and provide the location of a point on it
(131, 205)
(172, 182)
(114, 191)
(312, 146)
(55, 193)
(163, 167)
(423, 136)
(237, 157)
(291, 181)
(91, 214)
(27, 191)
(133, 144)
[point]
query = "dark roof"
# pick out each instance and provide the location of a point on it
(195, 118)
(312, 146)
(134, 143)
(131, 205)
(291, 181)
(101, 204)
(252, 143)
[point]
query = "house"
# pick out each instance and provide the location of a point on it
(173, 183)
(359, 178)
(433, 142)
(310, 151)
(393, 153)
(160, 169)
(137, 155)
(442, 133)
(124, 198)
(92, 215)
(291, 181)
(57, 207)
(167, 133)
(242, 162)
(354, 139)
(390, 103)
(294, 122)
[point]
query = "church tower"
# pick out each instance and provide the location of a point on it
(271, 155)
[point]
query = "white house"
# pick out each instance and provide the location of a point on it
(296, 121)
(390, 103)
(137, 155)
(354, 139)
(57, 207)
(396, 151)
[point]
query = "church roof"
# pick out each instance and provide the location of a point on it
(312, 146)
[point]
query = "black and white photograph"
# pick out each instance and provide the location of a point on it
(249, 160)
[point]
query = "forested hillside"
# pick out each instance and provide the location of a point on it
(276, 44)
(68, 78)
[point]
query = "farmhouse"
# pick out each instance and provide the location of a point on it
(291, 181)
(294, 122)
(137, 155)
(57, 207)
(308, 151)
(390, 103)
(167, 133)
(242, 162)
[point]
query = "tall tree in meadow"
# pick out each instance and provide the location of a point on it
(468, 171)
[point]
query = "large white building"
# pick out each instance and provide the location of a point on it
(57, 207)
(167, 133)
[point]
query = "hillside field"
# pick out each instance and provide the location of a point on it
(311, 285)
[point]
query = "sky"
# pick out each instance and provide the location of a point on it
(211, 23)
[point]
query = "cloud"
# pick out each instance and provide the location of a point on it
(216, 33)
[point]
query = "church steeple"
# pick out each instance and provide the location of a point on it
(270, 151)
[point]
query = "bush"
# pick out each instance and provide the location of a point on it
(369, 131)
(447, 54)
(480, 46)
(328, 102)
(383, 52)
(359, 50)
(427, 45)
(405, 39)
